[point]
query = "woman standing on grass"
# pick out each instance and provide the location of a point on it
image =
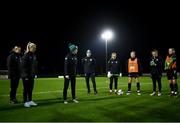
(156, 71)
(113, 72)
(13, 65)
(70, 68)
(134, 69)
(29, 69)
(171, 68)
(89, 64)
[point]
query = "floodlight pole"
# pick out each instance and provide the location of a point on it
(107, 35)
(106, 55)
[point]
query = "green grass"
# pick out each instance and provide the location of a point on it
(104, 107)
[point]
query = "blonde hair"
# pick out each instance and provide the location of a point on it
(15, 47)
(29, 45)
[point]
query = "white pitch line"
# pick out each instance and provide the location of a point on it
(58, 91)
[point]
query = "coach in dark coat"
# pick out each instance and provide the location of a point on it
(13, 65)
(70, 69)
(28, 72)
(89, 64)
(156, 71)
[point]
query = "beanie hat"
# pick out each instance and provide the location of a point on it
(72, 47)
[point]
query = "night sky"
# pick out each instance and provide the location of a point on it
(139, 26)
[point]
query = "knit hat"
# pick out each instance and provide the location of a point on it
(72, 47)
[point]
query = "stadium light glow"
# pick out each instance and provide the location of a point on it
(107, 35)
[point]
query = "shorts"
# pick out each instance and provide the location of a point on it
(133, 75)
(171, 74)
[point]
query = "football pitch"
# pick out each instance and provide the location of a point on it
(103, 107)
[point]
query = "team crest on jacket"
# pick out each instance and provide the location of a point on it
(90, 59)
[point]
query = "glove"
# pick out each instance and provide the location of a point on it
(153, 63)
(120, 74)
(67, 76)
(109, 74)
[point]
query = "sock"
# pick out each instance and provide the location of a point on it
(138, 86)
(129, 86)
(171, 86)
(175, 87)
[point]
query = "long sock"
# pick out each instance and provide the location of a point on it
(129, 86)
(138, 86)
(176, 87)
(171, 86)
